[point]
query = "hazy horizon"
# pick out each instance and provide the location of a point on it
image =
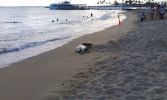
(48, 2)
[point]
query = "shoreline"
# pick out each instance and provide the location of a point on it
(37, 78)
(26, 52)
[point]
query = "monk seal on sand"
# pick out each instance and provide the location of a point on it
(83, 48)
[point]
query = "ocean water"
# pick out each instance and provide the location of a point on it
(28, 31)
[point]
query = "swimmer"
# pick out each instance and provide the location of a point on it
(53, 21)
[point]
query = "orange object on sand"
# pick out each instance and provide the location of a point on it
(119, 21)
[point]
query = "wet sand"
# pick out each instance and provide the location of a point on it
(45, 76)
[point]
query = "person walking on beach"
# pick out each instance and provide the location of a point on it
(162, 12)
(152, 11)
(157, 11)
(142, 16)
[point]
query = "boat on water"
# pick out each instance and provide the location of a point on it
(66, 5)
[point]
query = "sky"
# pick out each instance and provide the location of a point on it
(45, 2)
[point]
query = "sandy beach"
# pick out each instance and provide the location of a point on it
(39, 77)
(127, 63)
(135, 68)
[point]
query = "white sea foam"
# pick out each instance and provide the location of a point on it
(35, 33)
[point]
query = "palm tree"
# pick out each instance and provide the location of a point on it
(139, 2)
(133, 1)
(115, 2)
(128, 2)
(136, 2)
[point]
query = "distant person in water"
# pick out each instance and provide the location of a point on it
(53, 21)
(91, 15)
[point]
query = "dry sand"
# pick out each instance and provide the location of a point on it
(44, 76)
(136, 68)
